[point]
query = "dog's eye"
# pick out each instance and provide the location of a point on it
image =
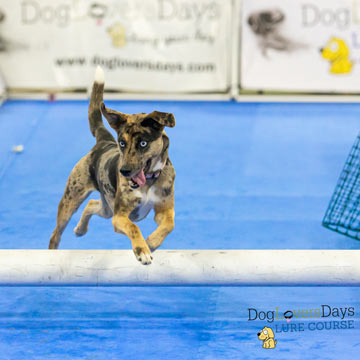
(265, 332)
(122, 143)
(143, 143)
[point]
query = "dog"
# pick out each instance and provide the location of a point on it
(337, 52)
(267, 336)
(118, 35)
(133, 175)
(265, 25)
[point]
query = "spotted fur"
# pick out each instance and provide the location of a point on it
(100, 170)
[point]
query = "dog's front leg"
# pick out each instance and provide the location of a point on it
(123, 225)
(164, 217)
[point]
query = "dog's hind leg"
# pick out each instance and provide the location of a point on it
(94, 207)
(78, 188)
(69, 203)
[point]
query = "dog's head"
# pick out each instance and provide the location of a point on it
(142, 141)
(265, 334)
(266, 21)
(334, 49)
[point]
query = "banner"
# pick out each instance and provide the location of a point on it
(2, 87)
(146, 46)
(301, 45)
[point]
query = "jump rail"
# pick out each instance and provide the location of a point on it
(180, 268)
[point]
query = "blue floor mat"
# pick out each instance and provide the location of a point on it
(249, 176)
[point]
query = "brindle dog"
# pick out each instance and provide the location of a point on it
(133, 175)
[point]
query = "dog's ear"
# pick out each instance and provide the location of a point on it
(115, 118)
(158, 120)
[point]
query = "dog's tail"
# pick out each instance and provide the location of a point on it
(96, 98)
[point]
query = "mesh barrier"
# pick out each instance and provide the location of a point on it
(343, 213)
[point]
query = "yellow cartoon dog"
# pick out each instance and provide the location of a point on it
(118, 35)
(267, 336)
(337, 52)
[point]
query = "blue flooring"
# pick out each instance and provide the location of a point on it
(249, 176)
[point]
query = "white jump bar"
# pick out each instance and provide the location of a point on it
(180, 268)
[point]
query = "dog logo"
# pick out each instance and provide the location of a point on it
(267, 336)
(3, 42)
(266, 25)
(337, 52)
(118, 35)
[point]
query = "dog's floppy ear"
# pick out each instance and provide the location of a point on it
(115, 118)
(158, 120)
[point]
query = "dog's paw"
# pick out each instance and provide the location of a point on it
(80, 231)
(143, 255)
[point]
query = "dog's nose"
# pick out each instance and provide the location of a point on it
(258, 334)
(321, 49)
(125, 171)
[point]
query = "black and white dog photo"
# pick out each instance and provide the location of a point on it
(266, 25)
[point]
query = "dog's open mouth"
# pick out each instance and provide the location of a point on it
(140, 178)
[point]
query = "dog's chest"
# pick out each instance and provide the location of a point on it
(148, 200)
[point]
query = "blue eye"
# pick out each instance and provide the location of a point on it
(143, 143)
(122, 144)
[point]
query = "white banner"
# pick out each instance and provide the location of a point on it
(301, 45)
(2, 87)
(152, 45)
(2, 47)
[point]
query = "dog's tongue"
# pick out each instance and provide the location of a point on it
(140, 178)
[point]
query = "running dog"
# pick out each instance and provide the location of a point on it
(267, 336)
(133, 175)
